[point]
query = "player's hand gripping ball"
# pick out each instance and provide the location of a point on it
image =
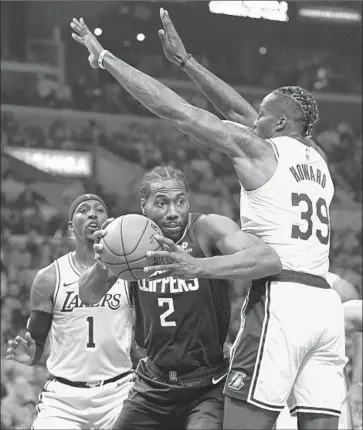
(125, 244)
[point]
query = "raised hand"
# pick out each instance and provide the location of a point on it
(21, 350)
(173, 46)
(84, 36)
(174, 261)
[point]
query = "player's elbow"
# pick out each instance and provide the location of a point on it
(270, 262)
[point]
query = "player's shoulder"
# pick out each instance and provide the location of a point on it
(45, 279)
(210, 225)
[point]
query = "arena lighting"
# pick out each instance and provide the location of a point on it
(332, 14)
(271, 10)
(140, 37)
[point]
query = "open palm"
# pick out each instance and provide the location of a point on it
(21, 350)
(84, 36)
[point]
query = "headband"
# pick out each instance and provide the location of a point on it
(81, 199)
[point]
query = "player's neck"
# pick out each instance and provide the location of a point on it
(84, 255)
(289, 133)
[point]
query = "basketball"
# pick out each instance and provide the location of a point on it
(128, 239)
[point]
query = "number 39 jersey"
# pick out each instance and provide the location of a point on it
(183, 323)
(88, 343)
(290, 212)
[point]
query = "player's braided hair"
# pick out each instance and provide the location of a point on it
(307, 104)
(161, 173)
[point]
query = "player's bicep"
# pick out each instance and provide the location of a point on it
(42, 290)
(224, 136)
(238, 241)
(225, 235)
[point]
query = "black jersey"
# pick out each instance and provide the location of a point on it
(183, 324)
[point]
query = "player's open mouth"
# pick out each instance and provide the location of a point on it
(93, 226)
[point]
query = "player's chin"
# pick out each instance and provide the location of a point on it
(173, 233)
(89, 235)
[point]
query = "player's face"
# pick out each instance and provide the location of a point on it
(168, 206)
(266, 122)
(88, 218)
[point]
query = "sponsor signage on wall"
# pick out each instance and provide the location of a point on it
(55, 162)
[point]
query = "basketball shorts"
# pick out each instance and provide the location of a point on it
(62, 406)
(162, 401)
(290, 346)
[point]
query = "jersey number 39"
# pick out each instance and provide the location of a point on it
(321, 212)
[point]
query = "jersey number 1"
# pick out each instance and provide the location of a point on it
(321, 212)
(90, 343)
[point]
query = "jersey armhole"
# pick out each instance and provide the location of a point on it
(57, 282)
(276, 151)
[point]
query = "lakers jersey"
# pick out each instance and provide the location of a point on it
(290, 212)
(88, 342)
(183, 323)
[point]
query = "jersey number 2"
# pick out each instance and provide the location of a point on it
(90, 343)
(296, 233)
(169, 302)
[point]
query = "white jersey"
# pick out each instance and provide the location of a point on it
(88, 343)
(290, 212)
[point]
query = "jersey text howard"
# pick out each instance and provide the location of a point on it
(72, 301)
(303, 171)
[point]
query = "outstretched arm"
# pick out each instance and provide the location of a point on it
(229, 138)
(245, 256)
(224, 98)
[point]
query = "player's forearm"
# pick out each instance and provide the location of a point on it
(357, 358)
(93, 284)
(165, 103)
(251, 263)
(154, 95)
(225, 99)
(353, 316)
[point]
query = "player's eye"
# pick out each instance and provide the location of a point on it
(161, 204)
(181, 202)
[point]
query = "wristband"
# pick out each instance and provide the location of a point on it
(38, 354)
(100, 58)
(184, 60)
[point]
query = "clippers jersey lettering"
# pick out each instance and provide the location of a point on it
(88, 342)
(290, 212)
(183, 323)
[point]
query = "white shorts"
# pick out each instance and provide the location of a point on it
(287, 422)
(290, 349)
(62, 406)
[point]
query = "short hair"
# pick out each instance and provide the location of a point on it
(307, 104)
(161, 173)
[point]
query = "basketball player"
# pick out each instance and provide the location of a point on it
(89, 346)
(183, 324)
(286, 191)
